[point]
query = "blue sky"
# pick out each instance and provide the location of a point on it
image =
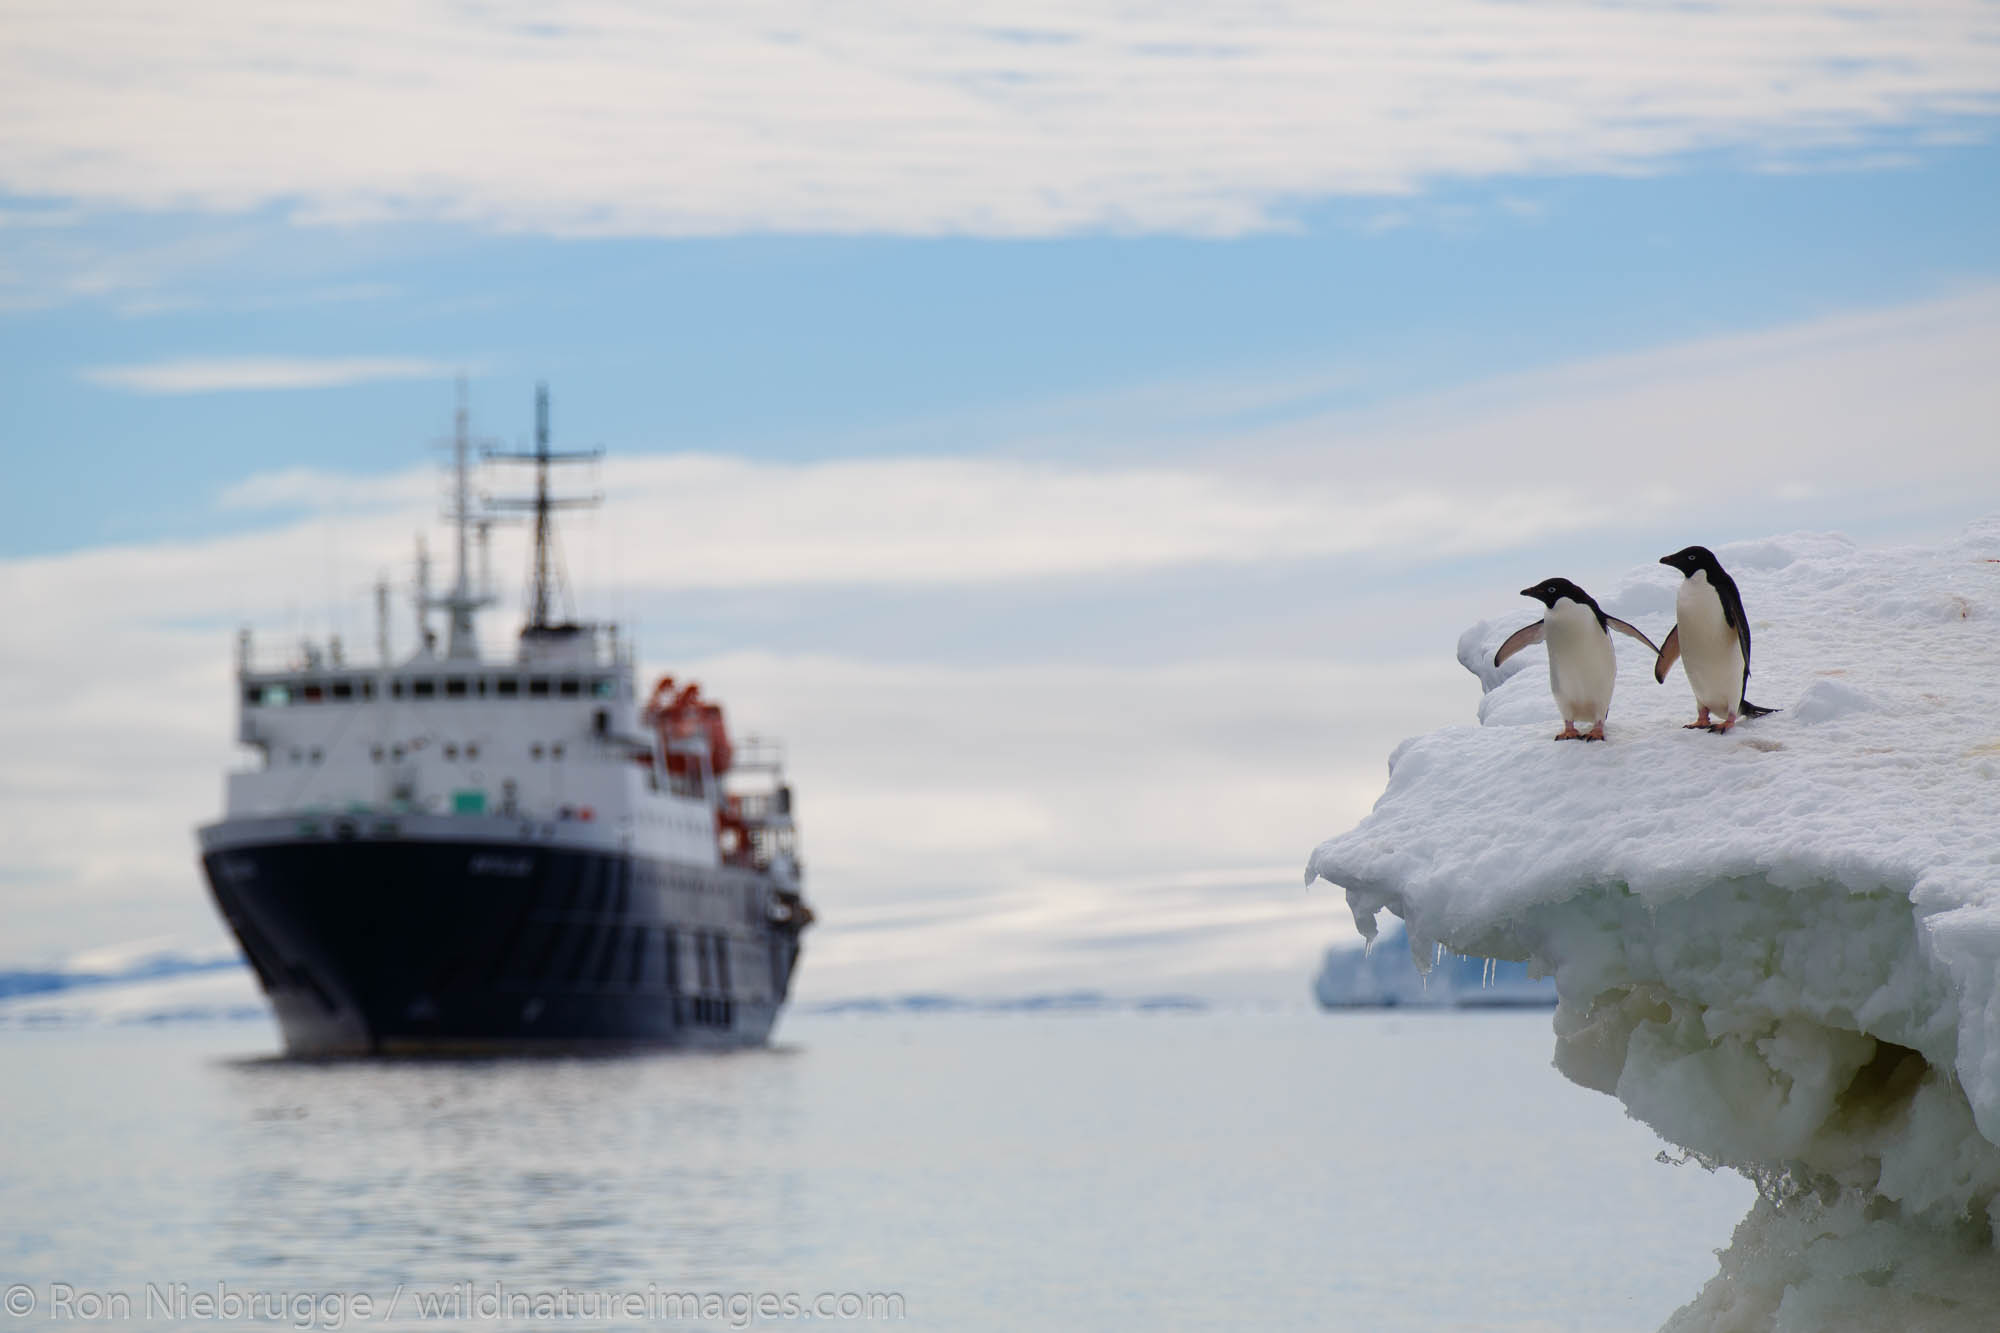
(1188, 382)
(804, 347)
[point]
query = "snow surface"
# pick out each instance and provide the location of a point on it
(1779, 947)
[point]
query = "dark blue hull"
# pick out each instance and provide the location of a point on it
(388, 945)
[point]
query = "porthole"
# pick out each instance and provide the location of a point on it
(451, 752)
(535, 750)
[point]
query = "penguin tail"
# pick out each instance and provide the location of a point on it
(1754, 710)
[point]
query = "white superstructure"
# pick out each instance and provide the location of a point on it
(556, 736)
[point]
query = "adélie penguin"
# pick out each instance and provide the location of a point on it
(1711, 638)
(1582, 667)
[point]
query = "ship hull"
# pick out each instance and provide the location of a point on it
(413, 936)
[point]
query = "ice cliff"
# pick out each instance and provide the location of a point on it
(1780, 948)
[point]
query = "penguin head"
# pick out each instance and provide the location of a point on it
(1690, 560)
(1549, 591)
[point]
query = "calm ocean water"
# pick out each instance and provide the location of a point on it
(1108, 1171)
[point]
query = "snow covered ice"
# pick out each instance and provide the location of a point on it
(1778, 947)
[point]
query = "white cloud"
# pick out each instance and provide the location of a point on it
(314, 489)
(1040, 118)
(1840, 416)
(219, 374)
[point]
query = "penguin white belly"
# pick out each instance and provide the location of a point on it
(1711, 653)
(1582, 667)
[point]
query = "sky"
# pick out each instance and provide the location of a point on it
(1080, 431)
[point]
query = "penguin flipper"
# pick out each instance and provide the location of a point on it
(1518, 640)
(1615, 623)
(1670, 653)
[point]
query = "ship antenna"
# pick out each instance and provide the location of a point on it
(545, 584)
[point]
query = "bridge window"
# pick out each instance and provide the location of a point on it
(311, 692)
(423, 689)
(454, 687)
(507, 687)
(571, 687)
(343, 689)
(538, 687)
(604, 687)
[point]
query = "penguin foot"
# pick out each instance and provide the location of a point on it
(1570, 733)
(1699, 726)
(1724, 725)
(1596, 733)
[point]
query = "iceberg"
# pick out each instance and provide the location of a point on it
(1779, 947)
(169, 980)
(1384, 976)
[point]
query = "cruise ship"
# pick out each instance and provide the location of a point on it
(453, 852)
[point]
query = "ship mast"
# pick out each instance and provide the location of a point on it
(462, 601)
(545, 585)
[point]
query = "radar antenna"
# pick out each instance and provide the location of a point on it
(545, 586)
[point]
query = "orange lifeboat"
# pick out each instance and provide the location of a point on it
(683, 714)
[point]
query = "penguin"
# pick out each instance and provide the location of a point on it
(1711, 636)
(1582, 667)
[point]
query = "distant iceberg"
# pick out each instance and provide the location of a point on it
(149, 981)
(1780, 948)
(1387, 976)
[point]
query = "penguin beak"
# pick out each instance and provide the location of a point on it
(1531, 592)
